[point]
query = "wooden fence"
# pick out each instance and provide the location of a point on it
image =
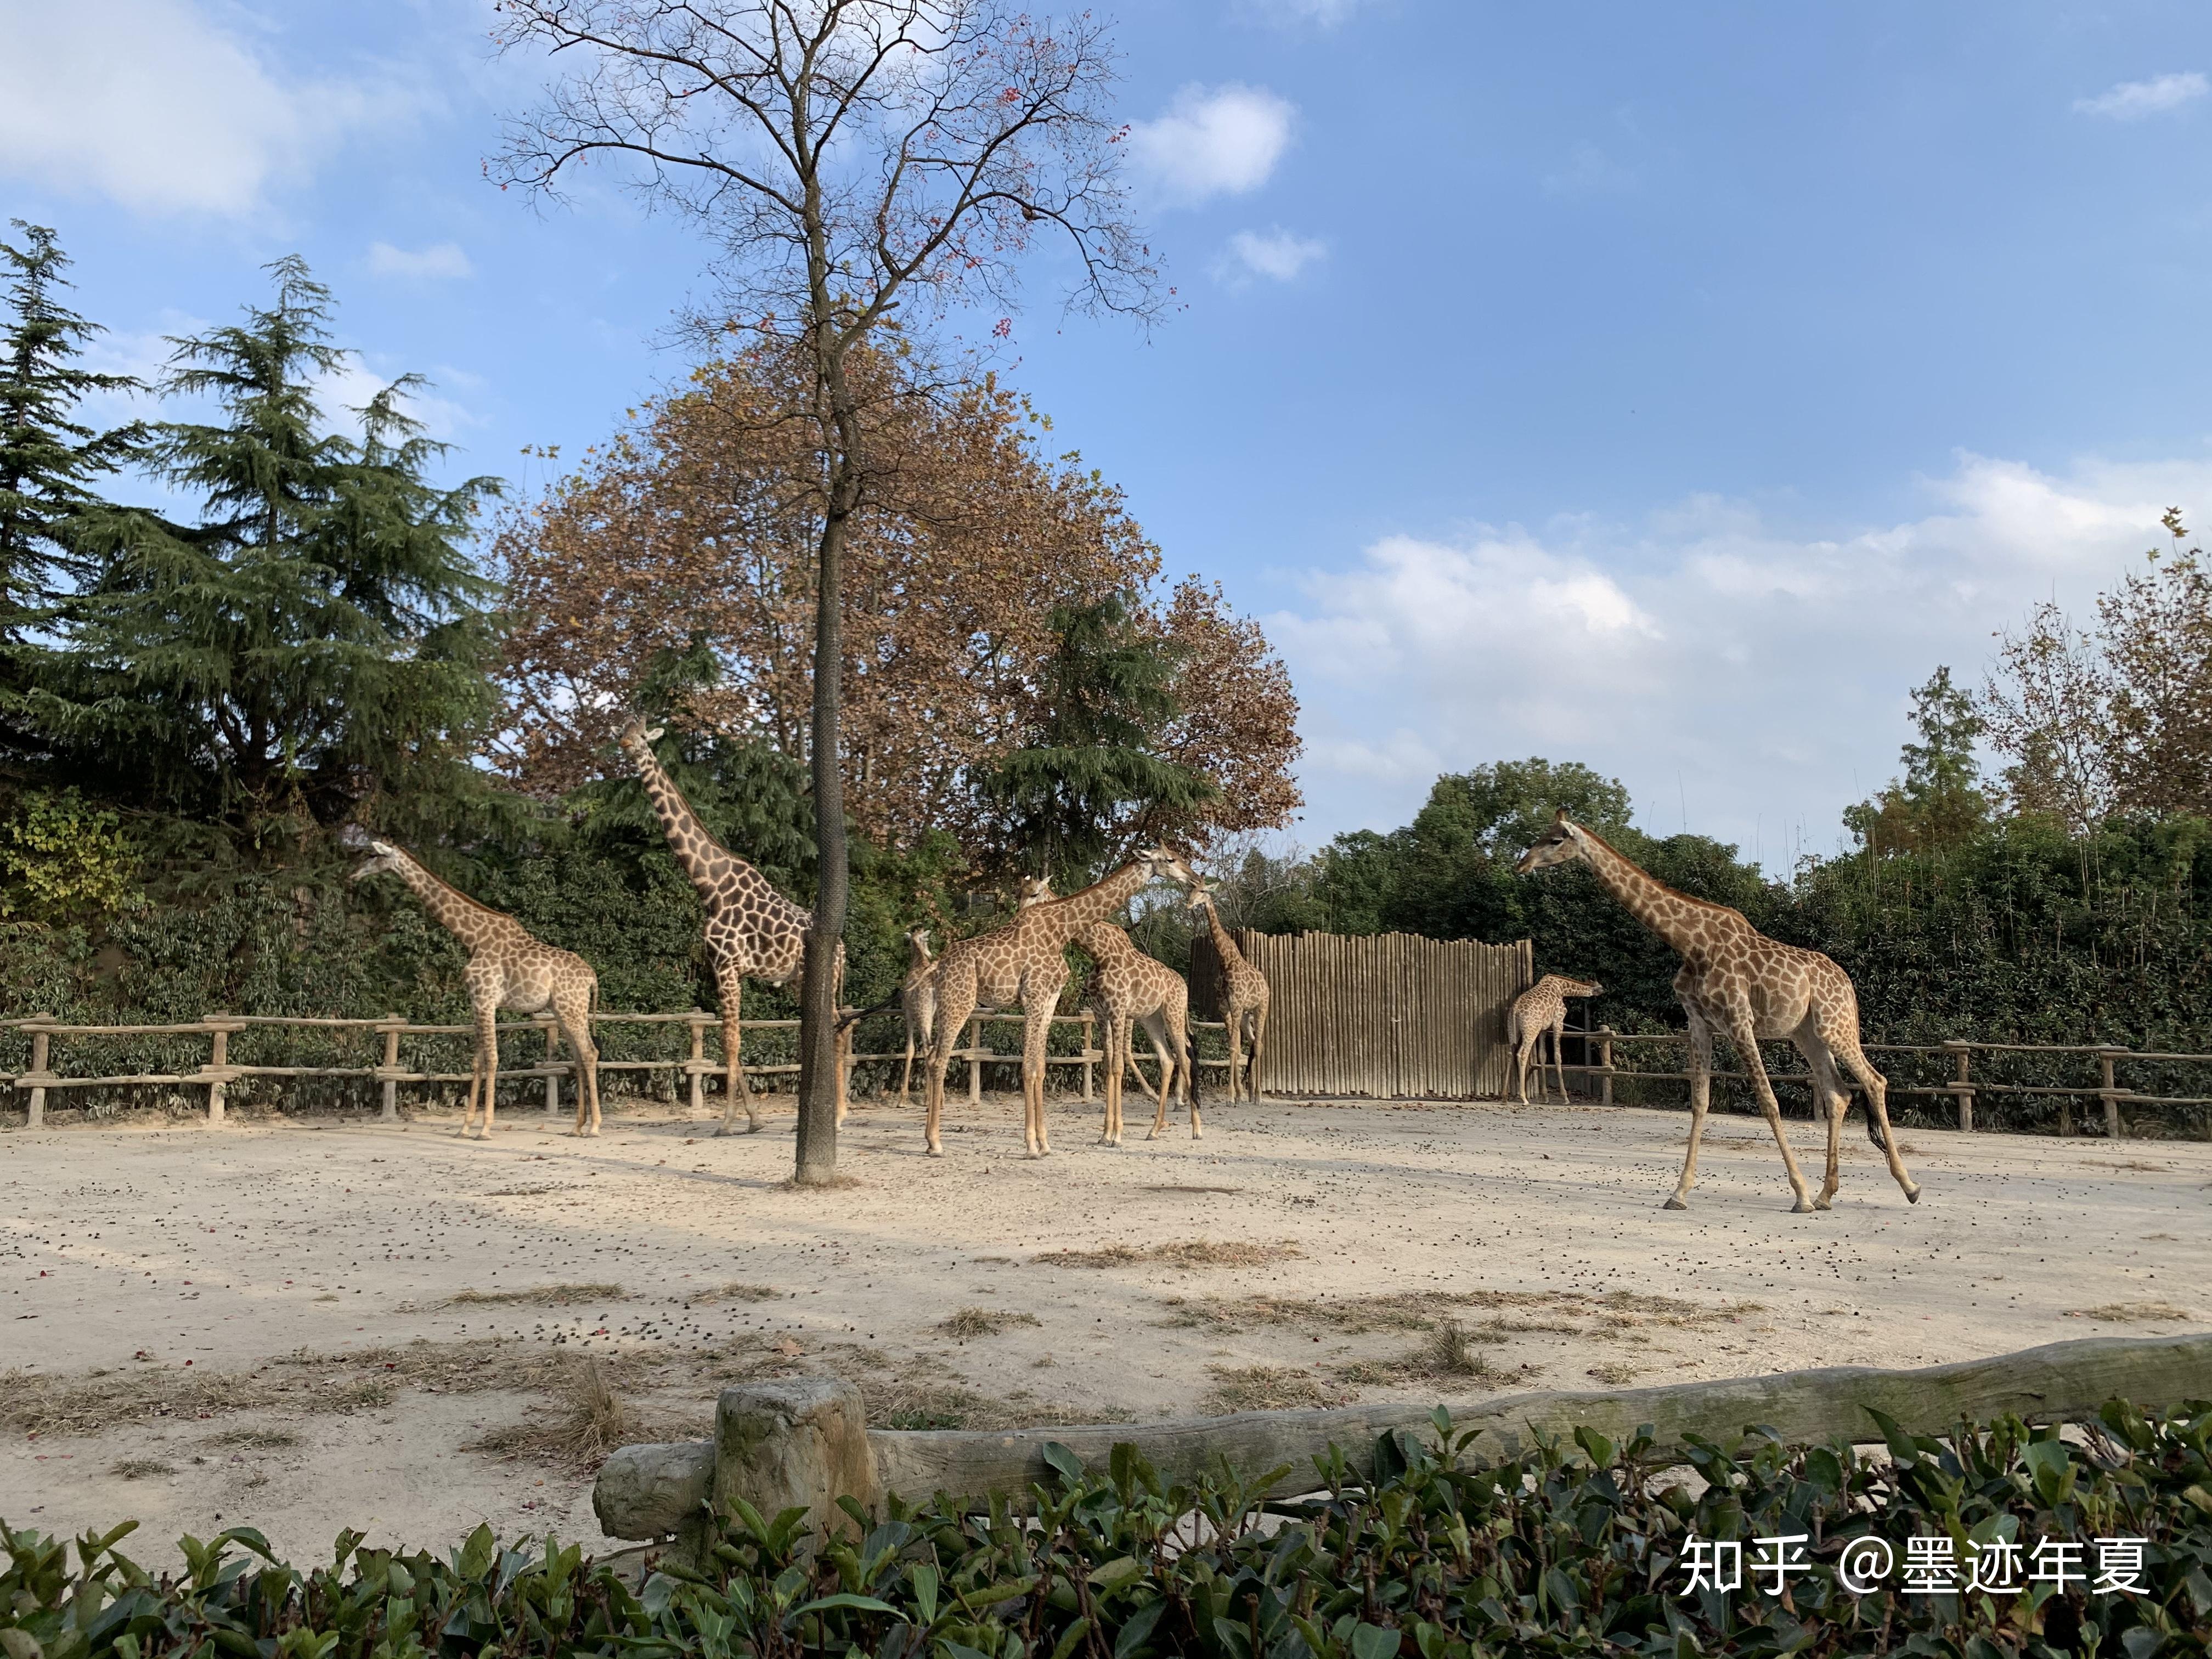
(39, 1077)
(1961, 1087)
(1387, 1015)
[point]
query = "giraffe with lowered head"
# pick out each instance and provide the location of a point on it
(1541, 1009)
(1024, 964)
(1737, 982)
(507, 969)
(1244, 995)
(752, 930)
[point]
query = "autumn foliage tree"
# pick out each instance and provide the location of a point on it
(692, 530)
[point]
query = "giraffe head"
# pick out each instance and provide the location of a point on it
(1561, 844)
(638, 737)
(1037, 889)
(1201, 893)
(1579, 987)
(383, 857)
(1162, 862)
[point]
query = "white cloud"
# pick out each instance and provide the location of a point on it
(1276, 254)
(350, 387)
(1222, 141)
(1748, 679)
(2131, 100)
(1587, 171)
(151, 103)
(440, 260)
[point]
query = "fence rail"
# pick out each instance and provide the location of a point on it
(1962, 1088)
(39, 1078)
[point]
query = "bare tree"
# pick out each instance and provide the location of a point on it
(860, 165)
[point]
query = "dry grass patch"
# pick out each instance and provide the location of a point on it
(1612, 1371)
(2126, 1164)
(2132, 1313)
(140, 1468)
(1192, 1253)
(983, 1322)
(1265, 1388)
(257, 1439)
(540, 1296)
(591, 1422)
(735, 1290)
(1615, 1315)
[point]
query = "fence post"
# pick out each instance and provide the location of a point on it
(1089, 1020)
(41, 1051)
(698, 1063)
(975, 1061)
(1605, 1059)
(391, 1029)
(220, 1059)
(553, 1079)
(2109, 1093)
(1963, 1090)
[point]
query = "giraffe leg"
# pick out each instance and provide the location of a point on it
(1235, 1034)
(574, 1014)
(488, 1041)
(844, 1044)
(1528, 1047)
(952, 1010)
(475, 1081)
(1117, 1062)
(1701, 1091)
(1842, 1041)
(730, 987)
(1178, 1024)
(1259, 1018)
(1830, 1101)
(1744, 1039)
(1559, 1062)
(1154, 1030)
(1036, 1035)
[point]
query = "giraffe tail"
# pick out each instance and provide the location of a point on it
(859, 1014)
(1190, 1064)
(1874, 1129)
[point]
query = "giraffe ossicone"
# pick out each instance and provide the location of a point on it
(1736, 982)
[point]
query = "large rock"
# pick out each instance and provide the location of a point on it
(649, 1491)
(799, 1442)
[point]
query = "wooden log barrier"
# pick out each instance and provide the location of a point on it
(804, 1442)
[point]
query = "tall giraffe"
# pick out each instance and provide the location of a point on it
(507, 969)
(1737, 982)
(752, 930)
(918, 990)
(1541, 1009)
(1244, 995)
(1025, 963)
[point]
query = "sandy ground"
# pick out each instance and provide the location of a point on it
(259, 1326)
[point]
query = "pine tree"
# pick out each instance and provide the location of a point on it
(316, 638)
(1940, 801)
(1091, 780)
(48, 458)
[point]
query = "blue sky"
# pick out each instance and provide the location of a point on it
(1668, 388)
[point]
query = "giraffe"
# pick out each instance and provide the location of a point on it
(1129, 989)
(507, 969)
(1244, 995)
(1540, 1009)
(1737, 982)
(918, 991)
(1024, 963)
(752, 930)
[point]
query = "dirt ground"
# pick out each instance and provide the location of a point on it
(307, 1325)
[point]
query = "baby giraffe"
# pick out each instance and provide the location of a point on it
(1542, 1008)
(1129, 990)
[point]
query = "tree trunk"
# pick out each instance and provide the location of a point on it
(817, 1006)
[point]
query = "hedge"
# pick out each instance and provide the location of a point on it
(1581, 1548)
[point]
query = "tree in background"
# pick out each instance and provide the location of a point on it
(2118, 718)
(857, 161)
(1939, 802)
(49, 459)
(316, 641)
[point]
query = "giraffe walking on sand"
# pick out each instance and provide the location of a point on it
(507, 969)
(1737, 982)
(1540, 1009)
(1130, 990)
(1245, 996)
(752, 930)
(1023, 964)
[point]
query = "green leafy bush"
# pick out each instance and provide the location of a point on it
(64, 857)
(1567, 1549)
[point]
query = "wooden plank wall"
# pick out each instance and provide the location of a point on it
(1384, 1015)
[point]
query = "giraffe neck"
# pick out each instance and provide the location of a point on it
(917, 955)
(1671, 915)
(698, 854)
(1100, 901)
(463, 917)
(1224, 946)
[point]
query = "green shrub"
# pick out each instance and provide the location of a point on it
(64, 857)
(1564, 1550)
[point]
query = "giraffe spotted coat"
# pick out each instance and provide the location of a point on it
(1540, 1009)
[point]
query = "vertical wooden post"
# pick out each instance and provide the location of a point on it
(1605, 1059)
(2109, 1092)
(391, 1029)
(1089, 1020)
(217, 1061)
(1963, 1090)
(975, 1060)
(41, 1052)
(553, 1079)
(698, 1065)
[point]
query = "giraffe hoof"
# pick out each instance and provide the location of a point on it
(1802, 1206)
(1675, 1203)
(1824, 1202)
(1912, 1194)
